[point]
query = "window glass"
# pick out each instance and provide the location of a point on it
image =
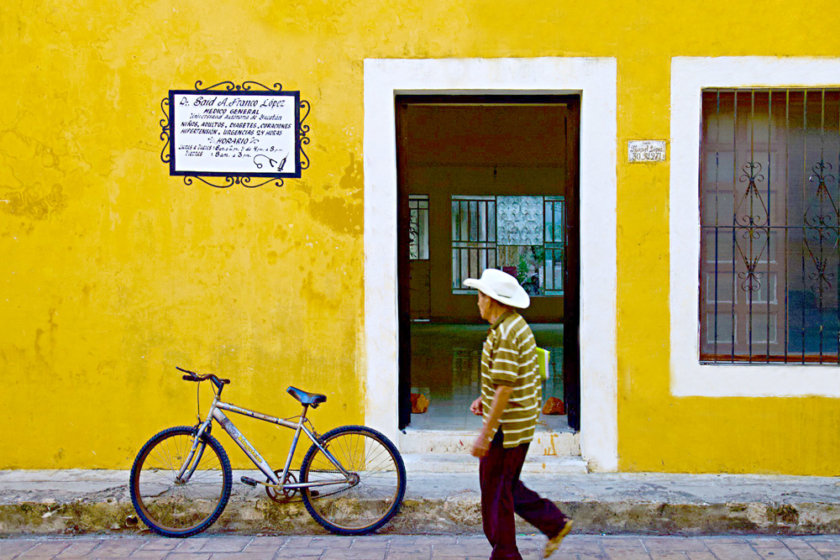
(418, 227)
(770, 226)
(521, 235)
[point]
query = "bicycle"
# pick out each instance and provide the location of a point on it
(352, 479)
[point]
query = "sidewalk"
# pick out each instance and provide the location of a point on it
(76, 501)
(412, 547)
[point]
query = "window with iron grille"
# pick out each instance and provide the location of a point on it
(770, 226)
(418, 227)
(522, 235)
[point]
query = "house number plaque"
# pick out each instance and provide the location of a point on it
(639, 151)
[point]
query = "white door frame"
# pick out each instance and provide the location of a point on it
(594, 79)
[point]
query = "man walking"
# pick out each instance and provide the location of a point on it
(510, 403)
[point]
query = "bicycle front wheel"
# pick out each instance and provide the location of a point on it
(367, 494)
(175, 507)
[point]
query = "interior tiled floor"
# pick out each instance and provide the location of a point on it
(445, 365)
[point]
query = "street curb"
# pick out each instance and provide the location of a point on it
(451, 515)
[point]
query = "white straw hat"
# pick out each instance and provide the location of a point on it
(500, 286)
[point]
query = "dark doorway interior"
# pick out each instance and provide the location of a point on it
(484, 181)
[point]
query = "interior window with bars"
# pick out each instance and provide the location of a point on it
(770, 226)
(521, 235)
(418, 227)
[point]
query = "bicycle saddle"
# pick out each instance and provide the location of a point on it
(309, 399)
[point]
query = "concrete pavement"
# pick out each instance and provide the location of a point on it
(67, 501)
(419, 547)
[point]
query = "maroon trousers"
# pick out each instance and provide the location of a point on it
(502, 494)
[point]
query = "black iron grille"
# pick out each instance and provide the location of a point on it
(770, 226)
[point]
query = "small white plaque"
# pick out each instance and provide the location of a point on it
(645, 150)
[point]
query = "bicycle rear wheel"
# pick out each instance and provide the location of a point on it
(174, 508)
(368, 496)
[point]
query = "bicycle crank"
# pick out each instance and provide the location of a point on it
(280, 494)
(275, 491)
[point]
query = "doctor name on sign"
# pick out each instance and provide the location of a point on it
(246, 133)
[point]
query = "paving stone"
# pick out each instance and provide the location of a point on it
(442, 539)
(773, 550)
(627, 544)
(410, 548)
(276, 539)
(824, 546)
(234, 555)
(345, 554)
(192, 544)
(460, 550)
(226, 544)
(683, 544)
(802, 550)
(700, 555)
(296, 541)
(299, 552)
(46, 549)
(581, 544)
(11, 548)
(150, 554)
(625, 554)
(361, 544)
(122, 548)
(625, 550)
(272, 543)
(78, 549)
(738, 550)
(160, 543)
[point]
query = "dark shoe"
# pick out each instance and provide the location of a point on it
(555, 541)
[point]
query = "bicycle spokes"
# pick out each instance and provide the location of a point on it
(180, 506)
(368, 495)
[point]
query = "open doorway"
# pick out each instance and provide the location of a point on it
(485, 181)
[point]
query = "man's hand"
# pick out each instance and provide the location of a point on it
(500, 400)
(481, 446)
(476, 407)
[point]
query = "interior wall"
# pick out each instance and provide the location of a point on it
(491, 146)
(440, 183)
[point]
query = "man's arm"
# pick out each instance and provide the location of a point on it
(500, 400)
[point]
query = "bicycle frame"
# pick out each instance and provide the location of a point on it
(251, 452)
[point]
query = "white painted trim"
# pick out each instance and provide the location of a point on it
(595, 80)
(689, 76)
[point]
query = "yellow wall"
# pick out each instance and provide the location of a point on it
(112, 272)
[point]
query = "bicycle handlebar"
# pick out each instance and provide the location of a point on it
(198, 378)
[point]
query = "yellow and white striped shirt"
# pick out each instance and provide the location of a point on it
(509, 358)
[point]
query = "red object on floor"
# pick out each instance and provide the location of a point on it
(554, 406)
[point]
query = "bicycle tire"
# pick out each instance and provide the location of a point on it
(363, 507)
(174, 509)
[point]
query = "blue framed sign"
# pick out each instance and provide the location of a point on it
(229, 136)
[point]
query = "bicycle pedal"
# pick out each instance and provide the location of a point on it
(249, 481)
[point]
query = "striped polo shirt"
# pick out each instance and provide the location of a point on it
(509, 358)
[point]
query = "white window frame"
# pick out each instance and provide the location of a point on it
(689, 76)
(595, 79)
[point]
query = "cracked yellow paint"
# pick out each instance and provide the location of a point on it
(112, 272)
